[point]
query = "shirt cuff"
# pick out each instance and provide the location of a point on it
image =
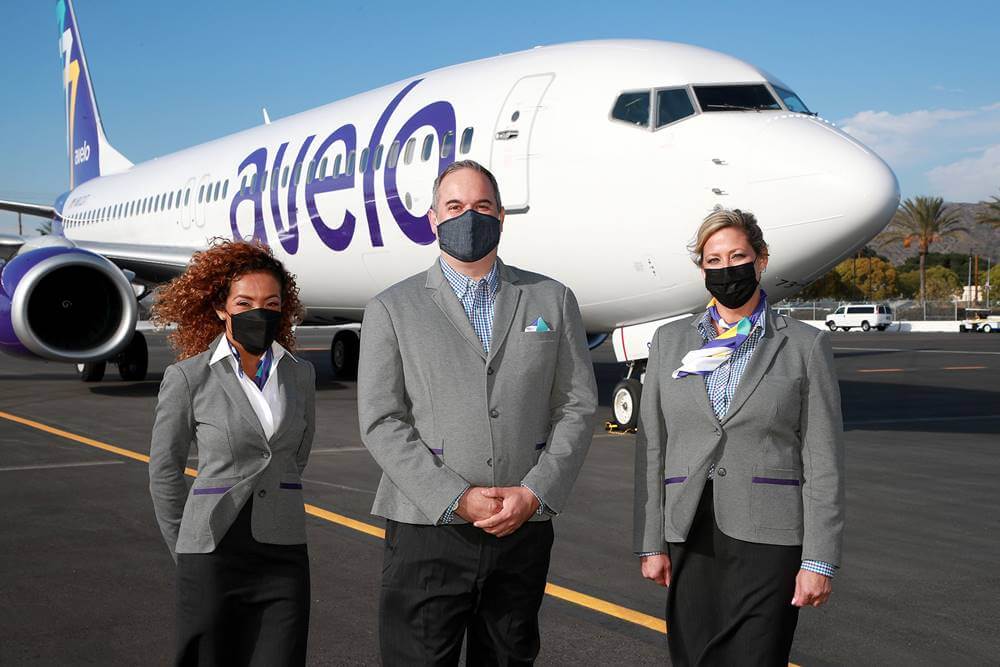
(449, 514)
(819, 567)
(650, 553)
(542, 507)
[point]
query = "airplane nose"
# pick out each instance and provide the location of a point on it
(824, 180)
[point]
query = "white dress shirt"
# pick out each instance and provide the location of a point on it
(266, 403)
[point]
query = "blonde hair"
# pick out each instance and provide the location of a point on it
(721, 218)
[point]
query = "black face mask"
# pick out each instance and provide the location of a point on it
(732, 286)
(469, 237)
(256, 329)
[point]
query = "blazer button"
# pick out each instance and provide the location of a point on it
(721, 472)
(489, 370)
(494, 413)
(489, 462)
(265, 455)
(262, 493)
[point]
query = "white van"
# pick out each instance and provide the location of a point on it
(863, 315)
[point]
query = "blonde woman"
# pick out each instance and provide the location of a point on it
(739, 488)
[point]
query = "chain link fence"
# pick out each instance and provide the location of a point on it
(902, 310)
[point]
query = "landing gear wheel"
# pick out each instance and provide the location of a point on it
(133, 362)
(987, 328)
(882, 327)
(831, 326)
(344, 355)
(865, 326)
(845, 328)
(92, 371)
(625, 403)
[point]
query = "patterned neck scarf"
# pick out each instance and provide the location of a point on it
(718, 350)
(263, 366)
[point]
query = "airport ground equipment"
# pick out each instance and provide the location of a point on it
(864, 316)
(979, 320)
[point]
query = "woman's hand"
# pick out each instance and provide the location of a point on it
(811, 588)
(657, 568)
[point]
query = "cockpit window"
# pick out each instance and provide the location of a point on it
(791, 100)
(632, 108)
(672, 105)
(747, 97)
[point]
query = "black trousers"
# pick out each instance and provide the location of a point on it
(246, 603)
(729, 601)
(441, 584)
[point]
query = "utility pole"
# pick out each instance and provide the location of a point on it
(20, 232)
(975, 278)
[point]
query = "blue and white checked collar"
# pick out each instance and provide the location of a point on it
(462, 284)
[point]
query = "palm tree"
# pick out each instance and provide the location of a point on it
(922, 220)
(991, 214)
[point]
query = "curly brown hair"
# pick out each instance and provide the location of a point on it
(191, 299)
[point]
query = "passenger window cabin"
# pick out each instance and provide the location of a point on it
(466, 145)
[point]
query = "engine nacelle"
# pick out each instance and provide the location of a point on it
(63, 303)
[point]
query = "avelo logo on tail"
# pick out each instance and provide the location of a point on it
(82, 122)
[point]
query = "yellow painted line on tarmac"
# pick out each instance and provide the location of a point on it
(606, 607)
(590, 602)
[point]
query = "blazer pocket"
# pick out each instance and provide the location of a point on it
(213, 486)
(776, 498)
(532, 337)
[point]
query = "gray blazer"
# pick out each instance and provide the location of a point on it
(779, 451)
(438, 413)
(205, 406)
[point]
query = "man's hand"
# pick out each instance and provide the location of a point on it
(519, 503)
(656, 568)
(811, 588)
(474, 506)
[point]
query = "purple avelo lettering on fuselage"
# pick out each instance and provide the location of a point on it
(340, 237)
(440, 116)
(293, 181)
(289, 240)
(258, 160)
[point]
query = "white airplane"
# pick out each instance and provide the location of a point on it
(608, 155)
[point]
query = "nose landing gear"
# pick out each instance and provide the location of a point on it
(625, 398)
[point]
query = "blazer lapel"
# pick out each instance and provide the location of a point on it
(287, 395)
(504, 309)
(760, 361)
(444, 297)
(223, 370)
(694, 342)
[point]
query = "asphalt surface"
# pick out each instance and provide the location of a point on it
(87, 579)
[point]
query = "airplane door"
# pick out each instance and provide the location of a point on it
(510, 157)
(187, 212)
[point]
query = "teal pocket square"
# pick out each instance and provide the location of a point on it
(537, 326)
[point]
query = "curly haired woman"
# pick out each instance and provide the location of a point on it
(240, 396)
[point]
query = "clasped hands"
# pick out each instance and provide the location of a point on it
(497, 510)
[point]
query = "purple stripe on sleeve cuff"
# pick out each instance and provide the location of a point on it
(776, 480)
(434, 450)
(675, 480)
(288, 485)
(540, 445)
(210, 490)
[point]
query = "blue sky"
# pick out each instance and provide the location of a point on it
(917, 81)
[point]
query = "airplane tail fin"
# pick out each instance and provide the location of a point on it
(90, 154)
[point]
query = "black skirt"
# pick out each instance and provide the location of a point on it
(246, 603)
(729, 601)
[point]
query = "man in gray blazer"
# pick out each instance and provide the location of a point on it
(476, 396)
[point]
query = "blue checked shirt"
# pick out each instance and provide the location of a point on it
(721, 386)
(477, 298)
